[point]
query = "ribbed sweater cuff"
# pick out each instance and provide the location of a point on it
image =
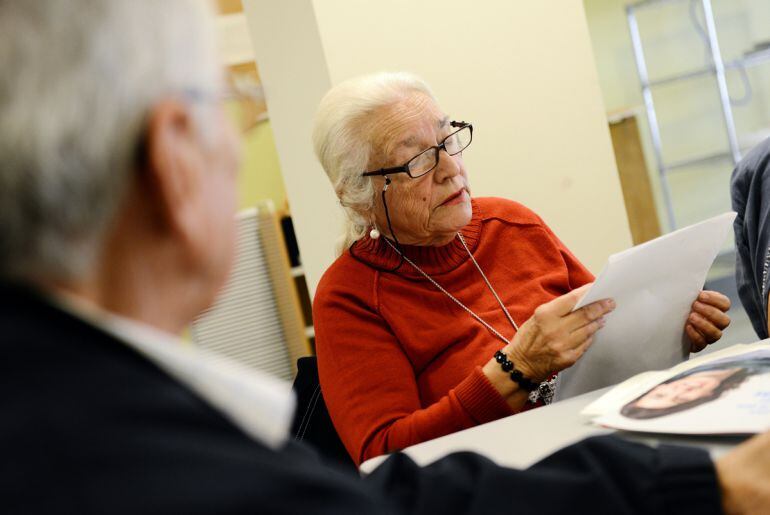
(480, 399)
(688, 481)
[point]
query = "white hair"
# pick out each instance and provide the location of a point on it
(344, 145)
(79, 78)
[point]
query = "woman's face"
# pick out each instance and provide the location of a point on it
(428, 210)
(690, 388)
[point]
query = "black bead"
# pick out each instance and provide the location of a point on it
(528, 385)
(507, 366)
(531, 386)
(500, 357)
(524, 383)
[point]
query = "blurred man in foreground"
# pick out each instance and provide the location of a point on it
(117, 195)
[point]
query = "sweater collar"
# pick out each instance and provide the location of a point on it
(433, 260)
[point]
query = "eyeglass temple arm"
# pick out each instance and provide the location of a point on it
(458, 124)
(385, 171)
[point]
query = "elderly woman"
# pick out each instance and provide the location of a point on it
(443, 311)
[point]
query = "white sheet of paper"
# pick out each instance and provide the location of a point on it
(654, 285)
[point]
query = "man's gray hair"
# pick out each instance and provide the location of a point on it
(79, 77)
(343, 139)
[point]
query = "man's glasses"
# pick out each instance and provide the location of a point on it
(243, 102)
(427, 160)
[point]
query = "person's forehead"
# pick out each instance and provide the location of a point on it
(405, 120)
(413, 138)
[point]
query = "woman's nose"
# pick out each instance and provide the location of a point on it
(446, 167)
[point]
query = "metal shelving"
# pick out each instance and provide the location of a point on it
(750, 60)
(717, 68)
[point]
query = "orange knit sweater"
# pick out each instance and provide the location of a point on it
(400, 362)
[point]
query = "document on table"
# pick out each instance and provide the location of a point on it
(728, 393)
(654, 285)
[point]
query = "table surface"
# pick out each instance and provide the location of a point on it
(521, 440)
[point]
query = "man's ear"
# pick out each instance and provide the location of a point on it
(172, 166)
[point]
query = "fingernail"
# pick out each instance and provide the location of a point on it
(602, 322)
(610, 304)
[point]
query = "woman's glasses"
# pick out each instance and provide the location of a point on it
(427, 160)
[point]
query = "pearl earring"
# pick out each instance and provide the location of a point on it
(374, 234)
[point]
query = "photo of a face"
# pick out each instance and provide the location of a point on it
(699, 385)
(695, 387)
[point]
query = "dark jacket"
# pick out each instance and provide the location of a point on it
(750, 193)
(87, 425)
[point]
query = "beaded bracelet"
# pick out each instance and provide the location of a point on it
(516, 375)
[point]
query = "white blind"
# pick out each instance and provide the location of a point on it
(245, 323)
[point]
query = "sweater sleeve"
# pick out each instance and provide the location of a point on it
(369, 383)
(598, 475)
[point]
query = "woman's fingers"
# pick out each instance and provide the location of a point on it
(579, 336)
(579, 342)
(716, 299)
(697, 341)
(708, 330)
(707, 320)
(588, 314)
(561, 306)
(713, 314)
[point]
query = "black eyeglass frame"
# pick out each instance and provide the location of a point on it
(404, 168)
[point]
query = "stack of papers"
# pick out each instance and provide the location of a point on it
(727, 392)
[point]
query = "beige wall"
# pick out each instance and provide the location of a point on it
(522, 71)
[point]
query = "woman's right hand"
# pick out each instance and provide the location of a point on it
(555, 337)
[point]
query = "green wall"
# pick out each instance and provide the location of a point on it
(260, 176)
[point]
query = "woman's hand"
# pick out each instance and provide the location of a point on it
(707, 319)
(554, 337)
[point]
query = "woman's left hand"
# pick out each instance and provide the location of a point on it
(707, 320)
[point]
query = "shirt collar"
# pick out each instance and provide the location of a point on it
(260, 405)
